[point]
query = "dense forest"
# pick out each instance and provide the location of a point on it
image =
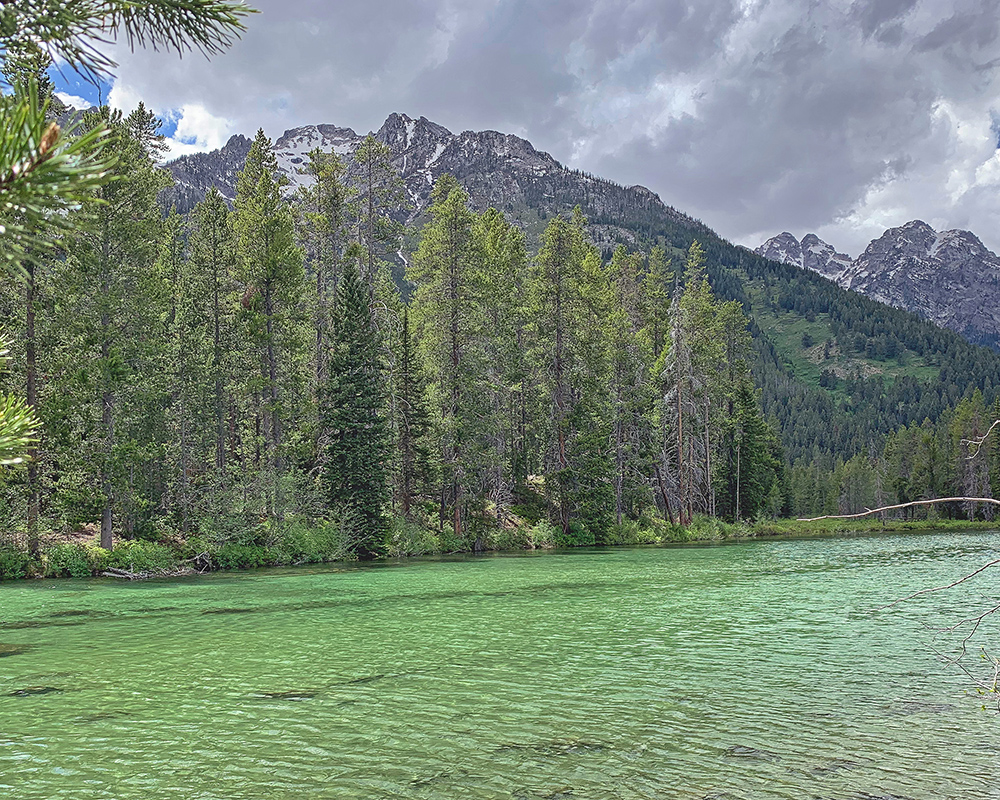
(251, 379)
(241, 370)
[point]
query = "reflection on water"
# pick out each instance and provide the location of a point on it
(747, 671)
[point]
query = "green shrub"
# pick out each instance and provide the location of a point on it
(140, 555)
(578, 535)
(410, 539)
(510, 539)
(241, 556)
(14, 563)
(97, 557)
(67, 560)
(628, 532)
(450, 543)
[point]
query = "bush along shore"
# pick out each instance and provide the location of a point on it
(296, 542)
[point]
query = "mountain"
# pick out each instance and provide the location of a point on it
(499, 170)
(196, 173)
(811, 253)
(837, 370)
(949, 278)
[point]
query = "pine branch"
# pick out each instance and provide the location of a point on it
(72, 30)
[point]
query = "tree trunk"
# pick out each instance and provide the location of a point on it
(220, 422)
(34, 490)
(272, 379)
(108, 422)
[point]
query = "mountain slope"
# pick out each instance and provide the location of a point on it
(950, 278)
(499, 170)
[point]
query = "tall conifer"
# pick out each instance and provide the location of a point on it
(352, 416)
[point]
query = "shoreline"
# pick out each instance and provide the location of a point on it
(140, 559)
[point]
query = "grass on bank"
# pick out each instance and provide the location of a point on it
(296, 542)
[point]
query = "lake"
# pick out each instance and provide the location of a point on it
(748, 670)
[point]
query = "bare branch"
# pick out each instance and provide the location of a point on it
(963, 579)
(978, 443)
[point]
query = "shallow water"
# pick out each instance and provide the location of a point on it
(752, 670)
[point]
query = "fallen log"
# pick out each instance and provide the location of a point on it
(124, 574)
(871, 511)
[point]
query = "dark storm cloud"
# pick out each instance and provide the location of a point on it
(755, 115)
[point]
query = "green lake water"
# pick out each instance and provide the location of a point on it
(751, 670)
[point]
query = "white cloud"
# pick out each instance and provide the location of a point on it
(126, 97)
(73, 101)
(197, 130)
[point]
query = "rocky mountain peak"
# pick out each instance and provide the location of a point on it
(783, 248)
(949, 277)
(810, 253)
(402, 133)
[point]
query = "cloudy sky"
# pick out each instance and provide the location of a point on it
(756, 116)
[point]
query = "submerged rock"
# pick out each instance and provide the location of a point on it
(290, 695)
(836, 765)
(7, 650)
(866, 796)
(743, 751)
(229, 611)
(556, 748)
(29, 691)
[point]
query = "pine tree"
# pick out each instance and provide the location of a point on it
(270, 266)
(749, 462)
(629, 386)
(569, 302)
(499, 360)
(119, 296)
(352, 416)
(323, 217)
(415, 468)
(379, 194)
(445, 271)
(211, 273)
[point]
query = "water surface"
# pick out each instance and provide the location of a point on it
(753, 670)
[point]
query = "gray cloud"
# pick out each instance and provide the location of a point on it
(754, 115)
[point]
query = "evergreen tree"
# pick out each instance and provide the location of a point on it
(749, 463)
(270, 266)
(323, 216)
(568, 293)
(499, 362)
(445, 271)
(118, 299)
(352, 416)
(630, 388)
(415, 466)
(380, 193)
(210, 272)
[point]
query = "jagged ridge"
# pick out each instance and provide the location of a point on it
(499, 170)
